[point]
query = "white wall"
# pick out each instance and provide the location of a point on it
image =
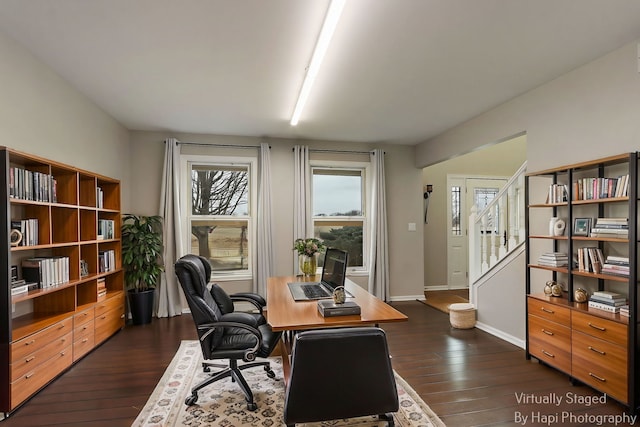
(404, 199)
(42, 114)
(589, 113)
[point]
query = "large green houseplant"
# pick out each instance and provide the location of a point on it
(142, 262)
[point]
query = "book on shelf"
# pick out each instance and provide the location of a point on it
(590, 259)
(46, 271)
(22, 289)
(600, 188)
(624, 311)
(31, 185)
(613, 302)
(603, 307)
(553, 259)
(608, 294)
(28, 229)
(558, 193)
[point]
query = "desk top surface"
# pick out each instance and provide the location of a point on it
(284, 313)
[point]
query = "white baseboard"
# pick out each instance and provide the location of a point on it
(500, 334)
(436, 288)
(407, 298)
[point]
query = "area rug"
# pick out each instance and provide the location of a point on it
(441, 300)
(223, 405)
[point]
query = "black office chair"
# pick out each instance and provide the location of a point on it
(340, 373)
(234, 335)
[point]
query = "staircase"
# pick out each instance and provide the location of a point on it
(496, 261)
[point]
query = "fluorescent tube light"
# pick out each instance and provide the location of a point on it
(329, 26)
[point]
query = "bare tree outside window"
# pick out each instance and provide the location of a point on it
(219, 211)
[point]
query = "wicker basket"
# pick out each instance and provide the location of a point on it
(462, 315)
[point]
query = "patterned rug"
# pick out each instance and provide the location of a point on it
(223, 405)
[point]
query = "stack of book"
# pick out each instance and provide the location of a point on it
(106, 261)
(553, 259)
(611, 227)
(590, 260)
(607, 301)
(616, 265)
(102, 289)
(624, 311)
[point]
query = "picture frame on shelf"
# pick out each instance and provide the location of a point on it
(581, 227)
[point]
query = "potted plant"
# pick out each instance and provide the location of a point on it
(308, 250)
(142, 262)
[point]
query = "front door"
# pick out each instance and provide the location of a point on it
(464, 192)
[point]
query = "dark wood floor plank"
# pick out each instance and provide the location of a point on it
(470, 378)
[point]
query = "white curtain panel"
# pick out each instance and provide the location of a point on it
(302, 223)
(379, 250)
(265, 223)
(168, 303)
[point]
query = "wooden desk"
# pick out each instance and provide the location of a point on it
(286, 314)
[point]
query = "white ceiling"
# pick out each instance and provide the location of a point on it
(398, 71)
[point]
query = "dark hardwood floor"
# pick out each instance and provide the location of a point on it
(468, 377)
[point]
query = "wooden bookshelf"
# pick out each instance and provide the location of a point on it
(47, 329)
(592, 346)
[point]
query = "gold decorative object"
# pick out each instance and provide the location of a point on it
(339, 295)
(580, 295)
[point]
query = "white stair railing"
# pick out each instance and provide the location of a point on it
(499, 228)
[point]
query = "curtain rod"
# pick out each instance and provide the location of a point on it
(204, 144)
(320, 150)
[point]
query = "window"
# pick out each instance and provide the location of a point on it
(220, 207)
(339, 212)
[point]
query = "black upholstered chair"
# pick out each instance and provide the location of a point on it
(233, 335)
(340, 373)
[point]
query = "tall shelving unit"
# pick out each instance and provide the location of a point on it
(592, 346)
(45, 330)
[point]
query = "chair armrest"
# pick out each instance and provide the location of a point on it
(256, 300)
(210, 327)
(240, 317)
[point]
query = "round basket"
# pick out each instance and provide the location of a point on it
(462, 315)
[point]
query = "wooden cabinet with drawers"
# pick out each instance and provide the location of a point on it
(72, 215)
(550, 334)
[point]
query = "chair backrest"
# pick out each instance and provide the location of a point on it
(193, 274)
(340, 373)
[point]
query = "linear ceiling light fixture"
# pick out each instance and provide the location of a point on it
(329, 26)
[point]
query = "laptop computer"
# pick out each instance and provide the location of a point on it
(333, 274)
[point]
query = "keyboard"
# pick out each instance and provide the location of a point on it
(314, 291)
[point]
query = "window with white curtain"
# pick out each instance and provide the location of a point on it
(339, 205)
(220, 207)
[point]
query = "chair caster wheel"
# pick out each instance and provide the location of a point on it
(251, 406)
(191, 400)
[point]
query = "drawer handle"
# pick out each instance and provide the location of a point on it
(29, 375)
(602, 380)
(30, 342)
(103, 317)
(546, 310)
(597, 351)
(60, 327)
(547, 332)
(85, 340)
(29, 359)
(548, 354)
(600, 328)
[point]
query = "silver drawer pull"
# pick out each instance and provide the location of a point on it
(600, 328)
(602, 380)
(546, 310)
(548, 354)
(29, 359)
(30, 342)
(547, 332)
(29, 375)
(597, 351)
